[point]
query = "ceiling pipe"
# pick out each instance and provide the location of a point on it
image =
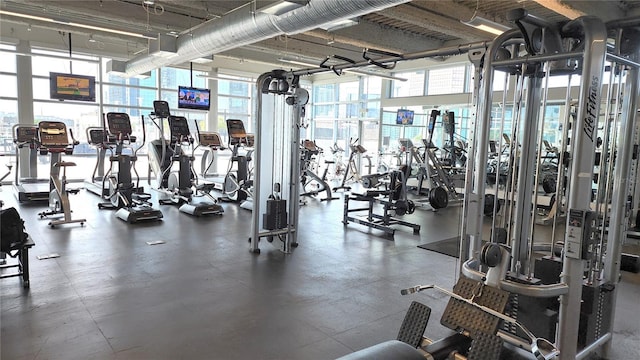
(245, 27)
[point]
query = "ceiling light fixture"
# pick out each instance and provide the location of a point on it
(218, 77)
(353, 71)
(75, 24)
(487, 25)
(339, 24)
(283, 6)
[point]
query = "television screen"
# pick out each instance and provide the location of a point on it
(193, 98)
(405, 117)
(72, 87)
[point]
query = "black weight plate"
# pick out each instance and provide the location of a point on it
(549, 184)
(490, 255)
(438, 198)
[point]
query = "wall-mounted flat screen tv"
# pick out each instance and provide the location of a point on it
(193, 98)
(72, 87)
(405, 117)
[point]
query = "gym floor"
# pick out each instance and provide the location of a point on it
(202, 295)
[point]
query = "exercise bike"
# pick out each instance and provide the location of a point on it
(53, 139)
(131, 203)
(312, 184)
(351, 172)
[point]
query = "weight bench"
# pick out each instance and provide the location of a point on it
(22, 263)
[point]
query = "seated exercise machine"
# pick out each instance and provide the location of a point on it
(393, 200)
(476, 312)
(238, 181)
(96, 139)
(123, 195)
(311, 183)
(53, 139)
(181, 186)
(29, 188)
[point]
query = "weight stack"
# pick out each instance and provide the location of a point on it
(595, 312)
(276, 216)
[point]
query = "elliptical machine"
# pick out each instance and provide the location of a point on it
(53, 139)
(96, 139)
(237, 181)
(177, 187)
(131, 203)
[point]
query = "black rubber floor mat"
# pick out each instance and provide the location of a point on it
(450, 247)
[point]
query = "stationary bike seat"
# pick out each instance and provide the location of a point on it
(64, 163)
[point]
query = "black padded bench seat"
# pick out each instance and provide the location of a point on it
(392, 349)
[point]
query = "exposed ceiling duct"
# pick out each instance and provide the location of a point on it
(245, 26)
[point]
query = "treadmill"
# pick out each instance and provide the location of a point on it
(30, 188)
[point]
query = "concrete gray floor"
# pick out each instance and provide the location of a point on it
(202, 295)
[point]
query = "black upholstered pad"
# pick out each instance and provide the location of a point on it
(392, 349)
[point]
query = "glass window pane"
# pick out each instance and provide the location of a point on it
(373, 110)
(44, 65)
(129, 96)
(324, 93)
(498, 80)
(226, 87)
(348, 111)
(8, 61)
(9, 86)
(233, 105)
(446, 81)
(41, 89)
(171, 97)
(372, 88)
(414, 86)
(324, 111)
(172, 78)
(8, 118)
(348, 91)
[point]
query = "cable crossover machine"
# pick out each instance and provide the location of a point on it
(525, 291)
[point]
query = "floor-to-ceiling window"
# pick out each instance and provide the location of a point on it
(77, 115)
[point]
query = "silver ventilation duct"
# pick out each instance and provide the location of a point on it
(244, 27)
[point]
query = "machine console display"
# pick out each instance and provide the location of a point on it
(25, 134)
(210, 139)
(53, 134)
(237, 133)
(95, 136)
(161, 109)
(119, 125)
(179, 128)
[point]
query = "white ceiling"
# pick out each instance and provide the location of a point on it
(410, 27)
